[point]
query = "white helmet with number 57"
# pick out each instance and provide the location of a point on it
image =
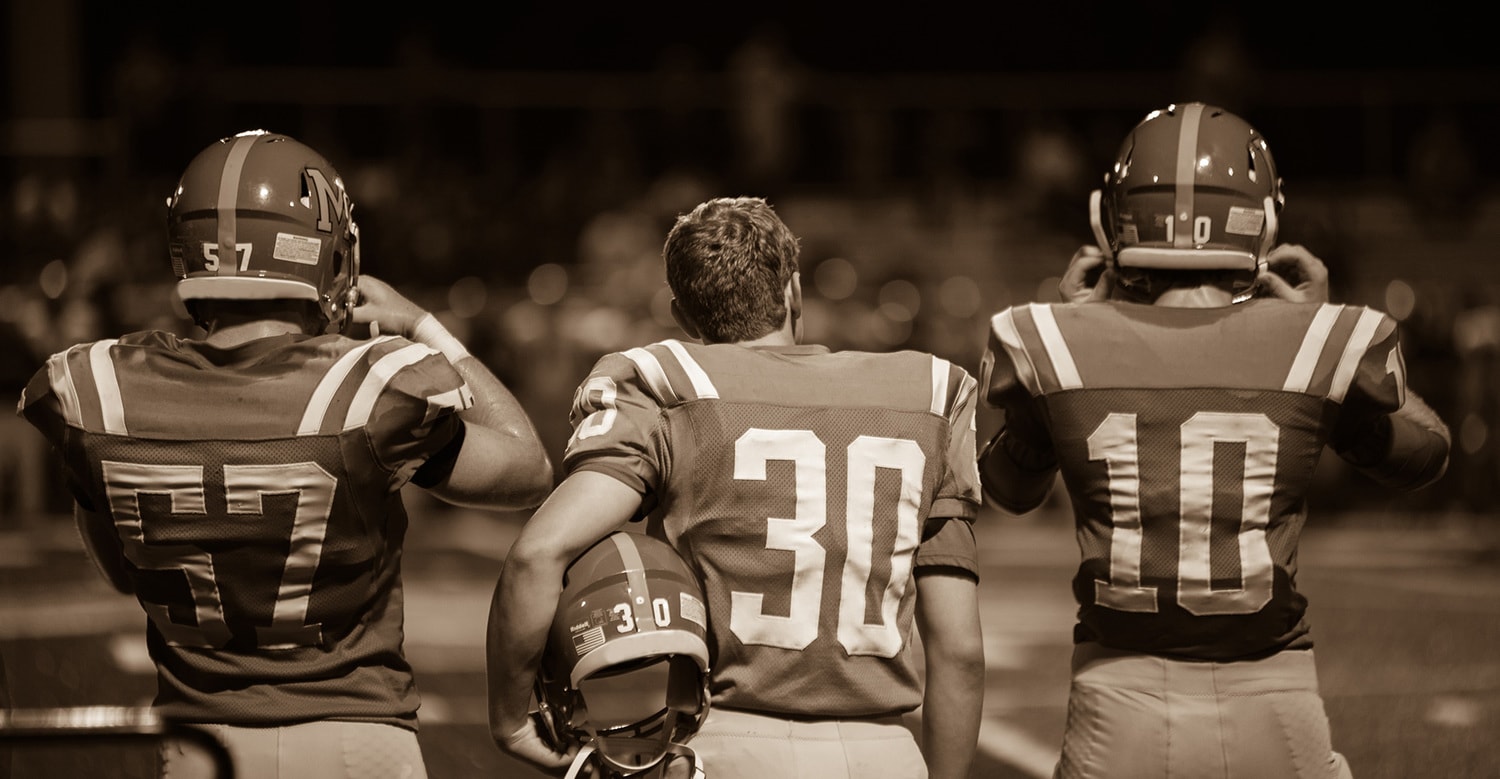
(286, 214)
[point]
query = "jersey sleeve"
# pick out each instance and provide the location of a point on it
(1378, 384)
(615, 420)
(1017, 466)
(48, 411)
(958, 494)
(948, 544)
(1384, 431)
(415, 414)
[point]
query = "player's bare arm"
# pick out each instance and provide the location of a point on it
(586, 507)
(503, 464)
(953, 700)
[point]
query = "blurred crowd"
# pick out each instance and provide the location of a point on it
(536, 232)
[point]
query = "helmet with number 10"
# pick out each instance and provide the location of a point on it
(1193, 187)
(630, 606)
(285, 211)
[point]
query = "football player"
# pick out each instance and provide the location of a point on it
(245, 486)
(1185, 398)
(824, 498)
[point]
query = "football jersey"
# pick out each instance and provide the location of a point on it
(1187, 440)
(796, 481)
(255, 491)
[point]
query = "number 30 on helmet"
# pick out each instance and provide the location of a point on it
(629, 605)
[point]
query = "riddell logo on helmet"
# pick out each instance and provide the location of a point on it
(333, 201)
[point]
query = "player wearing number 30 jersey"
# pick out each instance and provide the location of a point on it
(1186, 414)
(246, 485)
(795, 481)
(824, 498)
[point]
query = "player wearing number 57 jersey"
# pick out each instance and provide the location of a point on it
(245, 486)
(1186, 417)
(823, 498)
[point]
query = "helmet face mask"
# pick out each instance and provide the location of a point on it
(284, 209)
(1194, 187)
(631, 610)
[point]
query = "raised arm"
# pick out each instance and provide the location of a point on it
(501, 462)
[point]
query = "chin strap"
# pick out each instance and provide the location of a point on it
(1096, 221)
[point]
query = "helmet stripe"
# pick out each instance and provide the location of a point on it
(229, 193)
(635, 576)
(1187, 172)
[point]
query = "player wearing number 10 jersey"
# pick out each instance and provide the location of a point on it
(824, 498)
(246, 486)
(1186, 418)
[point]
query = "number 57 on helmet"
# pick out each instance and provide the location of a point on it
(631, 622)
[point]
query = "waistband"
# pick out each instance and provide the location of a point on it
(1291, 669)
(738, 722)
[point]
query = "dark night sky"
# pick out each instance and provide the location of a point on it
(1003, 36)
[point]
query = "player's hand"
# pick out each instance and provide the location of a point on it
(526, 744)
(1088, 277)
(1293, 273)
(383, 310)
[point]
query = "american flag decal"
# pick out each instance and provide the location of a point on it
(588, 640)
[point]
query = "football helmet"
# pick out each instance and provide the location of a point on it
(1193, 187)
(284, 210)
(629, 602)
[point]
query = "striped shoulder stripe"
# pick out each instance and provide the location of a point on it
(703, 387)
(60, 376)
(1054, 345)
(378, 377)
(940, 371)
(107, 385)
(651, 372)
(1313, 342)
(322, 395)
(1354, 351)
(655, 365)
(1004, 326)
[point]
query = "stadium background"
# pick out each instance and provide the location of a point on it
(515, 170)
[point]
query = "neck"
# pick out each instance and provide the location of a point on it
(1206, 296)
(786, 335)
(229, 335)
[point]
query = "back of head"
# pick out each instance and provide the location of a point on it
(1193, 188)
(285, 211)
(728, 263)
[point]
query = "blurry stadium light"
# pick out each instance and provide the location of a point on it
(1400, 299)
(900, 300)
(547, 284)
(835, 278)
(53, 279)
(468, 297)
(1472, 433)
(959, 297)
